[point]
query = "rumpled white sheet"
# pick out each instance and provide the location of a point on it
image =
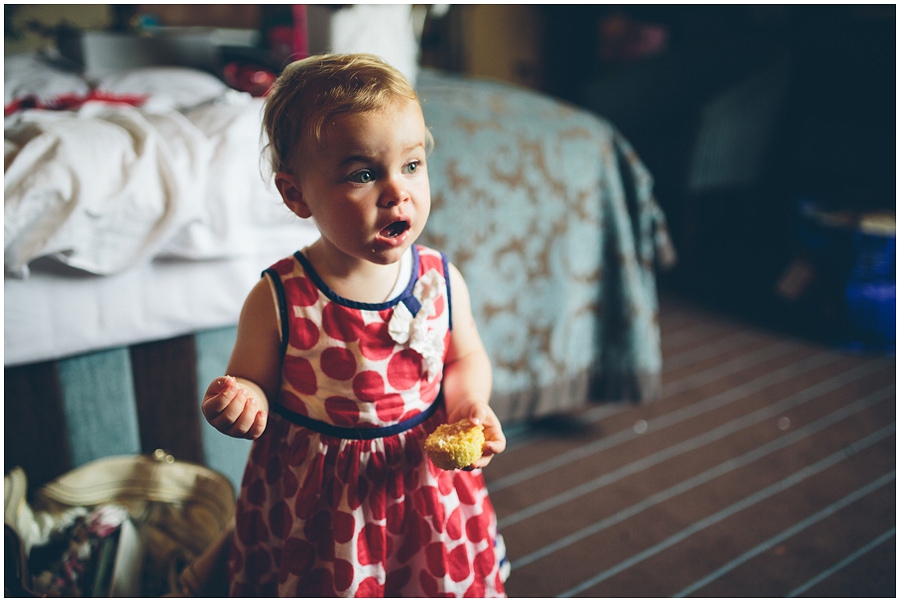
(109, 186)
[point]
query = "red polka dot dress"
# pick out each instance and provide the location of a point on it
(338, 497)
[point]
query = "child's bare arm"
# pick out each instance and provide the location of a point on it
(467, 373)
(238, 404)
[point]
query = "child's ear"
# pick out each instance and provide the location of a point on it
(291, 195)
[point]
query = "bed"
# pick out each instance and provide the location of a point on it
(137, 219)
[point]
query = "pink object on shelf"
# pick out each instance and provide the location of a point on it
(301, 40)
(253, 79)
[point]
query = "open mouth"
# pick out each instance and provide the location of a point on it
(395, 229)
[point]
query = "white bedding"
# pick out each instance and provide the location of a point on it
(50, 316)
(108, 186)
(162, 209)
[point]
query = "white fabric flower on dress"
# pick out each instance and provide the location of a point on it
(414, 331)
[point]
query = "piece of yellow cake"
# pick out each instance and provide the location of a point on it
(455, 446)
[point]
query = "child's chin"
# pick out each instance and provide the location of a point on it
(389, 256)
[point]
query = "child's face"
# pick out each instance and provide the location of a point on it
(366, 184)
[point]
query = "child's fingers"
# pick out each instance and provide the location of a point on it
(477, 413)
(258, 427)
(246, 409)
(219, 394)
(494, 446)
(231, 410)
(220, 384)
(226, 408)
(495, 440)
(482, 461)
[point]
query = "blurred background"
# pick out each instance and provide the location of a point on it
(769, 129)
(770, 132)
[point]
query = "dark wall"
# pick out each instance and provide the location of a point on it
(803, 100)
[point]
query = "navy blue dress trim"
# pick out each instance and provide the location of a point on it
(342, 432)
(449, 296)
(282, 307)
(320, 284)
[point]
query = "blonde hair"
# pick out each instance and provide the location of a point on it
(312, 90)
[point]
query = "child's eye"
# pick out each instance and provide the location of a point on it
(363, 176)
(413, 167)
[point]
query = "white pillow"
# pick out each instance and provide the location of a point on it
(385, 30)
(30, 74)
(167, 88)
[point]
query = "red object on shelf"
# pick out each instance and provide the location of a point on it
(289, 41)
(249, 78)
(301, 40)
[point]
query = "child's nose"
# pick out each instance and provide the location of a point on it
(394, 193)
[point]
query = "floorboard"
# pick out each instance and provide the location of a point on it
(766, 469)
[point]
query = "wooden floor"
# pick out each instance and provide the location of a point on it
(766, 469)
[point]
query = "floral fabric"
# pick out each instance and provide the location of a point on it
(549, 214)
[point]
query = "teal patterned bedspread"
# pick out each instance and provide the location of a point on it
(550, 216)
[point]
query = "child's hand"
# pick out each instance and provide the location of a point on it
(494, 439)
(231, 409)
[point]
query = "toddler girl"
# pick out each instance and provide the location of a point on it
(342, 350)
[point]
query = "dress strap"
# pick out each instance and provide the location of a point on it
(446, 264)
(282, 307)
(355, 433)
